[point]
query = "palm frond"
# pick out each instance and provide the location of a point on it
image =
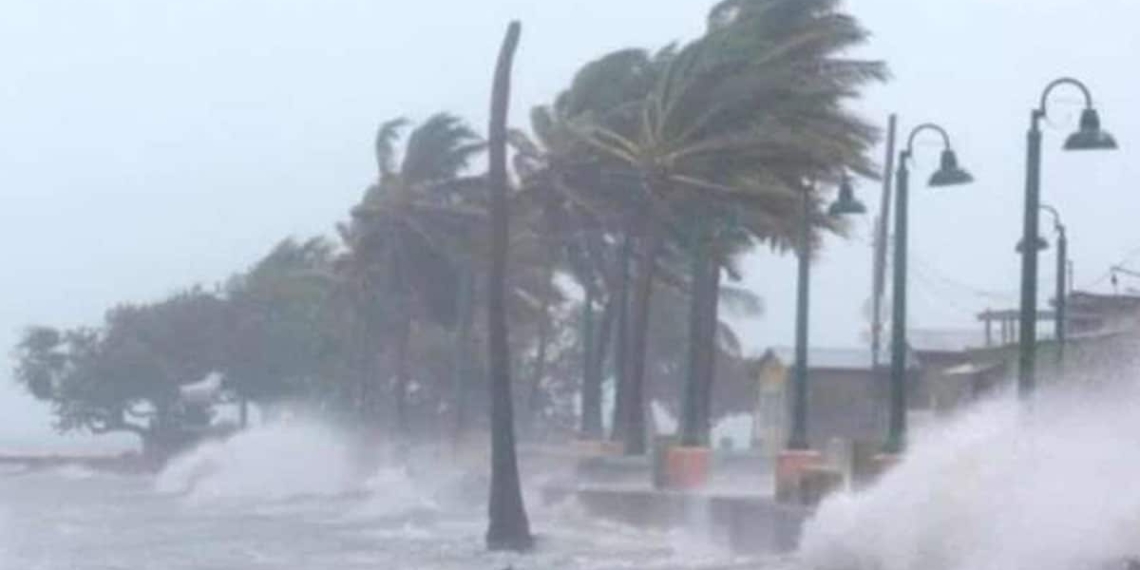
(740, 301)
(386, 137)
(439, 149)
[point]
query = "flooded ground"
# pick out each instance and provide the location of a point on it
(228, 507)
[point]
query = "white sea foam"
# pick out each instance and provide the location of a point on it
(1053, 487)
(274, 461)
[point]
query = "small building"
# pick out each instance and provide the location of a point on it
(954, 370)
(847, 396)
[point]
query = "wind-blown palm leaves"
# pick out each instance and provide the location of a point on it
(740, 117)
(408, 233)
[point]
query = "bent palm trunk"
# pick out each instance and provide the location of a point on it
(508, 527)
(591, 428)
(697, 341)
(534, 399)
(461, 366)
(711, 321)
(403, 341)
(636, 406)
(621, 343)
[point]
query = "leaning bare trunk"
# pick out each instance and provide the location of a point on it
(621, 342)
(591, 428)
(508, 527)
(636, 406)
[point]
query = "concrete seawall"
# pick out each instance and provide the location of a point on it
(747, 524)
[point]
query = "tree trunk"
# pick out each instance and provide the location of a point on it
(508, 527)
(711, 318)
(591, 428)
(461, 365)
(697, 340)
(402, 343)
(635, 428)
(621, 342)
(534, 397)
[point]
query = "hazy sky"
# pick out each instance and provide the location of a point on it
(146, 146)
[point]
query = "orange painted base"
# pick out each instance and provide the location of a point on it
(790, 467)
(688, 468)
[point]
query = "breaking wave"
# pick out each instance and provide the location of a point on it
(1049, 488)
(270, 462)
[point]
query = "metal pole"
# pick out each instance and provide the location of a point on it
(880, 261)
(1062, 293)
(896, 434)
(799, 439)
(1026, 372)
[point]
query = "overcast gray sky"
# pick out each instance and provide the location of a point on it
(146, 146)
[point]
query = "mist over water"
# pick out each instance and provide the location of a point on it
(997, 487)
(1002, 486)
(295, 494)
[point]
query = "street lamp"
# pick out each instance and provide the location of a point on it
(845, 204)
(948, 174)
(1088, 137)
(1062, 270)
(1059, 315)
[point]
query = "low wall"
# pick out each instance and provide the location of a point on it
(747, 524)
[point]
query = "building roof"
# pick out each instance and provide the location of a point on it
(946, 340)
(853, 359)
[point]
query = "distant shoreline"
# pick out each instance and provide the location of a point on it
(125, 463)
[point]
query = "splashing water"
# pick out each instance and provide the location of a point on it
(1001, 487)
(275, 461)
(393, 493)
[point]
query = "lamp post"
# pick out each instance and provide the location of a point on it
(1089, 137)
(948, 174)
(1061, 277)
(1059, 314)
(845, 204)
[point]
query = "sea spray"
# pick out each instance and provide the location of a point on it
(282, 460)
(1048, 487)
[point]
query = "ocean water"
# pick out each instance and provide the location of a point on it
(289, 497)
(1051, 486)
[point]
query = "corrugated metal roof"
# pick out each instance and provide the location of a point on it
(836, 358)
(930, 340)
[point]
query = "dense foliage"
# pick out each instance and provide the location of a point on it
(632, 198)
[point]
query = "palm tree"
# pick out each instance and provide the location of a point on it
(407, 230)
(508, 527)
(738, 117)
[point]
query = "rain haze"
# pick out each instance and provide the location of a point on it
(149, 147)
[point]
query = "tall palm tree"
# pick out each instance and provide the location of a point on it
(508, 527)
(570, 225)
(408, 227)
(739, 116)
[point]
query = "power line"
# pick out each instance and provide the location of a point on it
(1128, 258)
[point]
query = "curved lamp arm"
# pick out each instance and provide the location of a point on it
(925, 127)
(1057, 225)
(1064, 81)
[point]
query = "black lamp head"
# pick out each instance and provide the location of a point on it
(1090, 136)
(846, 203)
(949, 173)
